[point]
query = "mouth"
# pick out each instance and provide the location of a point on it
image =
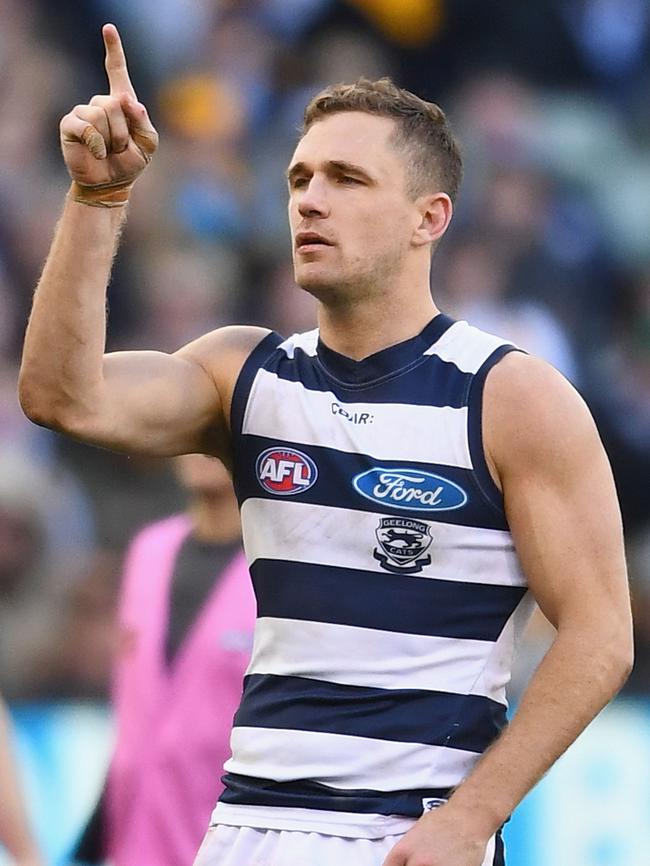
(308, 242)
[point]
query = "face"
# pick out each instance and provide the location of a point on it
(351, 218)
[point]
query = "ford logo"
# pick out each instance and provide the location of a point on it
(409, 489)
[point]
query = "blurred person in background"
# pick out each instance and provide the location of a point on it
(72, 661)
(334, 758)
(45, 550)
(185, 632)
(475, 286)
(15, 833)
(622, 403)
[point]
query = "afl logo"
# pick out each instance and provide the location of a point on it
(285, 472)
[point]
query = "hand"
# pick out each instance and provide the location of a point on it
(109, 142)
(439, 839)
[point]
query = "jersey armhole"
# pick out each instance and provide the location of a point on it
(482, 474)
(244, 382)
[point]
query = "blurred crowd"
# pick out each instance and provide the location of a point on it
(550, 245)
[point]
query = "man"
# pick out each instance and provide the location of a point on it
(15, 833)
(186, 617)
(402, 479)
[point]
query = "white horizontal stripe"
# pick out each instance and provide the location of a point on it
(342, 761)
(335, 825)
(307, 342)
(465, 346)
(369, 657)
(345, 538)
(496, 674)
(283, 410)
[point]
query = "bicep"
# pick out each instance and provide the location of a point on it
(559, 495)
(157, 404)
(162, 405)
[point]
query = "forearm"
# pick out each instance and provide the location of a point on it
(61, 368)
(15, 833)
(576, 679)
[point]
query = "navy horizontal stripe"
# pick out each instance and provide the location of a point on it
(427, 381)
(468, 722)
(413, 605)
(251, 791)
(334, 485)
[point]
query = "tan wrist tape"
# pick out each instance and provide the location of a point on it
(101, 194)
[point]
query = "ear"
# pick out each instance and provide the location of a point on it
(435, 212)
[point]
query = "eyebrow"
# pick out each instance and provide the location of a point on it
(338, 165)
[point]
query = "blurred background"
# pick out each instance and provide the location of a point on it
(550, 247)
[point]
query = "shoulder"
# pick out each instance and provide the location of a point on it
(225, 348)
(223, 352)
(533, 416)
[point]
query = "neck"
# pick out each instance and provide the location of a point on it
(359, 328)
(215, 519)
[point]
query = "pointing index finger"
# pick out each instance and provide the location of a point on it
(115, 63)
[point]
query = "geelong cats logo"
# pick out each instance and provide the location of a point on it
(402, 543)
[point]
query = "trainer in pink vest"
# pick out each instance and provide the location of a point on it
(173, 724)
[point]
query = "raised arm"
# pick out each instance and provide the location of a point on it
(145, 402)
(562, 508)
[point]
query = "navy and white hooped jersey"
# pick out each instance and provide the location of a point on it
(389, 593)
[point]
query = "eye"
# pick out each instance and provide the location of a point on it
(298, 182)
(348, 180)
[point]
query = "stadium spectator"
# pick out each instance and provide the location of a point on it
(45, 548)
(185, 626)
(475, 287)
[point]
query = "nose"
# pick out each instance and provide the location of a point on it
(312, 199)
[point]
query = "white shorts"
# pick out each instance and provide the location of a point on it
(247, 846)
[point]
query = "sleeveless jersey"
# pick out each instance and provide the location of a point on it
(389, 593)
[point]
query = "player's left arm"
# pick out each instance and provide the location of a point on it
(545, 453)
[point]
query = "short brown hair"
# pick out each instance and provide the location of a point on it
(422, 129)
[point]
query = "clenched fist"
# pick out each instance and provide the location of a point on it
(108, 142)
